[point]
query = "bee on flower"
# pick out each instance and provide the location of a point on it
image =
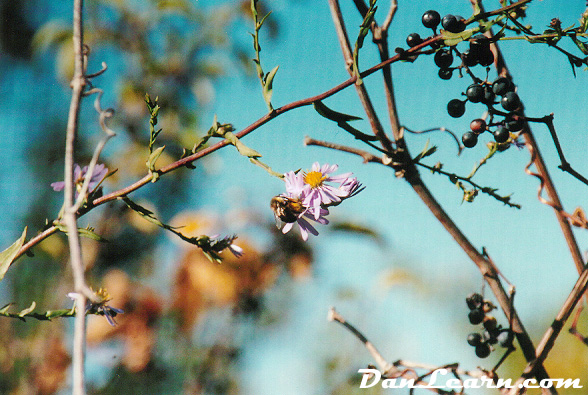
(309, 195)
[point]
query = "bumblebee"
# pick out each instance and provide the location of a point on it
(286, 209)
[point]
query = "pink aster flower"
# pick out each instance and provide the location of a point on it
(304, 224)
(309, 195)
(317, 193)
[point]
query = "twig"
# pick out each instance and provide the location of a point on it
(537, 159)
(503, 10)
(408, 169)
(574, 327)
(366, 156)
(390, 16)
(565, 165)
(70, 216)
(392, 370)
(362, 93)
(383, 365)
(215, 147)
(548, 340)
(103, 114)
(439, 129)
(487, 190)
(411, 175)
(380, 38)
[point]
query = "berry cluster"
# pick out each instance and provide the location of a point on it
(484, 92)
(492, 333)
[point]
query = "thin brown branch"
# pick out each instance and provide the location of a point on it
(362, 93)
(366, 156)
(70, 210)
(408, 169)
(380, 38)
(543, 173)
(215, 147)
(548, 340)
(390, 16)
(383, 365)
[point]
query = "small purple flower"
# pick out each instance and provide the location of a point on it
(220, 244)
(308, 197)
(305, 226)
(236, 250)
(318, 193)
(98, 174)
(100, 307)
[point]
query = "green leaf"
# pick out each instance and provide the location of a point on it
(58, 313)
(259, 163)
(260, 23)
(254, 9)
(335, 116)
(5, 308)
(581, 45)
(341, 120)
(358, 229)
(28, 310)
(145, 213)
(452, 39)
(242, 148)
(153, 158)
(7, 256)
(583, 23)
(268, 86)
(84, 232)
(425, 152)
(90, 234)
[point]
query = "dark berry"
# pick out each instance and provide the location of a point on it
(490, 323)
(475, 93)
(448, 21)
(490, 337)
(510, 101)
(456, 108)
(413, 40)
(469, 58)
(445, 74)
(502, 86)
(453, 23)
(486, 58)
(469, 139)
(474, 339)
(501, 134)
(443, 58)
(505, 338)
(476, 316)
(479, 43)
(513, 124)
(478, 126)
(474, 301)
(489, 96)
(431, 19)
(482, 350)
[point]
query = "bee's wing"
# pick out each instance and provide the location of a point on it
(279, 223)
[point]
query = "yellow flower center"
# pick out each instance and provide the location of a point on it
(314, 179)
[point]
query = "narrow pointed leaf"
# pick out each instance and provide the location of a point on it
(333, 115)
(28, 310)
(7, 256)
(153, 158)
